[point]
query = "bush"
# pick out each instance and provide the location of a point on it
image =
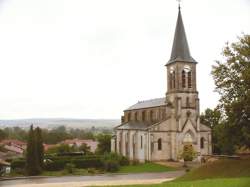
(18, 164)
(111, 165)
(69, 167)
(124, 161)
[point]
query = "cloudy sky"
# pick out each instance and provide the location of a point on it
(94, 58)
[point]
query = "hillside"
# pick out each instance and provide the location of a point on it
(226, 168)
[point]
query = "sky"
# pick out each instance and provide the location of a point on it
(95, 58)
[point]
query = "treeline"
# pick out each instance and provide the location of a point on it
(52, 136)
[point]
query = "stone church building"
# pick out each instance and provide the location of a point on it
(158, 129)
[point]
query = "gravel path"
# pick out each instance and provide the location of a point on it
(97, 180)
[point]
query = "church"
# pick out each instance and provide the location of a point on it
(158, 129)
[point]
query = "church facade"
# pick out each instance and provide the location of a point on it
(158, 129)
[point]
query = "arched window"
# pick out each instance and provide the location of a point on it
(159, 144)
(143, 115)
(151, 115)
(202, 142)
(136, 116)
(129, 116)
(189, 80)
(183, 78)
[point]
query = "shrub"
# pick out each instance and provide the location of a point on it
(18, 164)
(124, 161)
(70, 167)
(111, 165)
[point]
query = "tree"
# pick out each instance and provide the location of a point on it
(32, 163)
(232, 80)
(39, 145)
(3, 135)
(213, 119)
(85, 148)
(104, 143)
(188, 153)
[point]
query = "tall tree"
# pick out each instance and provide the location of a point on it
(32, 163)
(232, 80)
(39, 145)
(104, 143)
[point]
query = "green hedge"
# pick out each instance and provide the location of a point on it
(59, 164)
(18, 164)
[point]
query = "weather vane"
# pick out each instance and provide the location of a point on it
(179, 1)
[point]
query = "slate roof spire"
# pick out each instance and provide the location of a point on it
(180, 49)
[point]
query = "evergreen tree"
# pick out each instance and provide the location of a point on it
(39, 145)
(32, 164)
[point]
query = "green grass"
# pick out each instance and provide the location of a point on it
(142, 168)
(226, 168)
(227, 182)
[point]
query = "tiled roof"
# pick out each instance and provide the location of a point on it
(148, 104)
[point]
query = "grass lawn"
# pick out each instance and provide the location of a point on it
(147, 167)
(227, 182)
(225, 168)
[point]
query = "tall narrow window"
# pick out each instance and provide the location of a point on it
(187, 102)
(151, 115)
(202, 142)
(136, 116)
(143, 115)
(159, 144)
(189, 80)
(173, 79)
(183, 78)
(129, 116)
(170, 80)
(141, 142)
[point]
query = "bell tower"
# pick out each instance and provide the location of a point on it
(182, 95)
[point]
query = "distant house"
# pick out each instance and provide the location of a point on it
(77, 142)
(4, 167)
(15, 146)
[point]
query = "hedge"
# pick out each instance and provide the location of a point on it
(79, 163)
(18, 164)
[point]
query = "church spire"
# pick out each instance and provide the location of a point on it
(180, 49)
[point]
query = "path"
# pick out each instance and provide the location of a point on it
(97, 180)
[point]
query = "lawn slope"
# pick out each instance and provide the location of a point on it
(226, 168)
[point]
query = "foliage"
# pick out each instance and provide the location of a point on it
(39, 145)
(232, 80)
(188, 153)
(70, 167)
(19, 163)
(111, 165)
(62, 148)
(104, 143)
(3, 135)
(85, 148)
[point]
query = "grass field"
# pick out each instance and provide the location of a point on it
(142, 168)
(226, 168)
(227, 182)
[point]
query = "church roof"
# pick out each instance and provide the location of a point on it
(136, 125)
(148, 104)
(180, 48)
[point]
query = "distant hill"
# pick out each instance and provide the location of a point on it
(69, 123)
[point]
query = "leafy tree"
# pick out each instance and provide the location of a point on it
(62, 148)
(188, 154)
(232, 80)
(104, 143)
(32, 163)
(85, 148)
(3, 135)
(213, 119)
(39, 145)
